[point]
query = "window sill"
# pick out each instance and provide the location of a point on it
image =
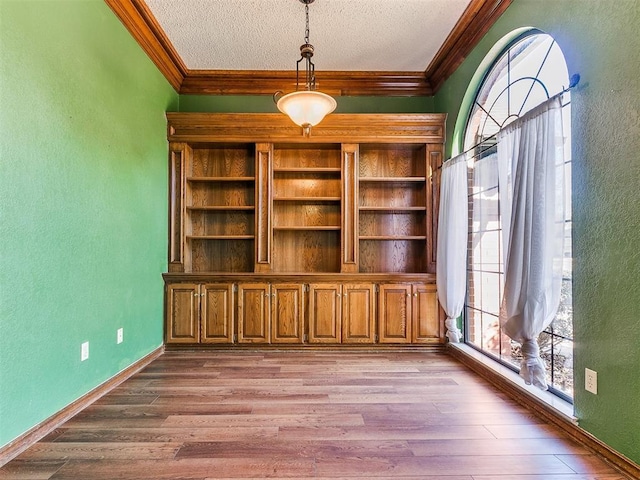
(560, 406)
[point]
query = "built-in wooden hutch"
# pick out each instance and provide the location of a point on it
(276, 238)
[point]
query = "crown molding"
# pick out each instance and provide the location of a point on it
(145, 29)
(339, 83)
(476, 20)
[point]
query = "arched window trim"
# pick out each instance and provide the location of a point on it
(478, 79)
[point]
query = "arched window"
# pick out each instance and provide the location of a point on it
(530, 70)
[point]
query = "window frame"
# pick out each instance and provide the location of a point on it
(476, 90)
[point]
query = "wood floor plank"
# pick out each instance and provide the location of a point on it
(322, 414)
(386, 433)
(307, 448)
(166, 409)
(334, 408)
(233, 421)
(144, 435)
(30, 469)
(585, 463)
(185, 469)
(523, 431)
(443, 465)
(495, 446)
(62, 451)
(419, 418)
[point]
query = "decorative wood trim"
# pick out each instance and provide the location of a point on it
(275, 127)
(179, 153)
(434, 164)
(475, 22)
(138, 19)
(263, 199)
(225, 277)
(310, 347)
(337, 83)
(27, 439)
(547, 413)
(350, 215)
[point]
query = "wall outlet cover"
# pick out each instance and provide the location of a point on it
(84, 351)
(591, 381)
(120, 335)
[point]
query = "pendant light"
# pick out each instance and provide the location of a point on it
(306, 107)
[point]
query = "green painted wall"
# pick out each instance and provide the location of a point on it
(265, 104)
(83, 201)
(600, 41)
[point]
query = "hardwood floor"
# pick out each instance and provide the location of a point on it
(312, 414)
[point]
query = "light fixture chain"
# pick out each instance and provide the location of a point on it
(306, 31)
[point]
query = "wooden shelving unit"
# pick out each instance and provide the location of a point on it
(286, 239)
(393, 185)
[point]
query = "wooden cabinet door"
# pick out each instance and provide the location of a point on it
(287, 313)
(254, 309)
(325, 307)
(183, 304)
(426, 318)
(216, 313)
(394, 313)
(358, 313)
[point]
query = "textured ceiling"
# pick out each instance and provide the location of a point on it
(348, 35)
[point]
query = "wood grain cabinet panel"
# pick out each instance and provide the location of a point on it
(427, 325)
(182, 319)
(254, 312)
(199, 313)
(325, 313)
(408, 313)
(394, 313)
(216, 313)
(358, 313)
(287, 313)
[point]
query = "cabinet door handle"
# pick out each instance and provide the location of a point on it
(339, 295)
(415, 294)
(196, 294)
(408, 294)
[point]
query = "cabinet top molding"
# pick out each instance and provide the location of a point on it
(335, 128)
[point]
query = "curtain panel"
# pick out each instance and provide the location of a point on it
(531, 184)
(451, 261)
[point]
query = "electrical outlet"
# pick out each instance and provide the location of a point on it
(120, 335)
(84, 351)
(591, 381)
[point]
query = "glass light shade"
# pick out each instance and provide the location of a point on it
(306, 107)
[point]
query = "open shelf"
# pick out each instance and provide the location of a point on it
(220, 179)
(307, 199)
(391, 209)
(221, 208)
(308, 227)
(328, 170)
(220, 237)
(393, 237)
(393, 179)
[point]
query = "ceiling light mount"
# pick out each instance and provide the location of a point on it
(306, 107)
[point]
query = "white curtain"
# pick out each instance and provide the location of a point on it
(531, 182)
(451, 262)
